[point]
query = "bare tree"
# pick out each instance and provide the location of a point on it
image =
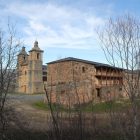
(10, 46)
(120, 41)
(73, 123)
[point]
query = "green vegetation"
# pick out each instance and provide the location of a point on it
(42, 105)
(116, 105)
(24, 93)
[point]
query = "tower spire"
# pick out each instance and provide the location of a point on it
(23, 52)
(36, 47)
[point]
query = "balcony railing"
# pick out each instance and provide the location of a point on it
(106, 85)
(108, 74)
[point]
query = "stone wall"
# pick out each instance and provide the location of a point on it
(23, 79)
(59, 72)
(83, 72)
(70, 93)
(70, 82)
(128, 84)
(35, 83)
(70, 71)
(19, 73)
(110, 93)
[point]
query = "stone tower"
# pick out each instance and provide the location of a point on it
(22, 68)
(35, 83)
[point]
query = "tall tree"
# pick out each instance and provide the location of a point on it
(120, 41)
(10, 45)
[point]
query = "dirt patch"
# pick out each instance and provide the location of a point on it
(37, 119)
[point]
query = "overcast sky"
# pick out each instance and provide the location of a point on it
(64, 28)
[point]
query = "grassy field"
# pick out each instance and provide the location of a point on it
(116, 105)
(43, 106)
(24, 93)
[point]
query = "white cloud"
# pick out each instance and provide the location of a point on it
(56, 26)
(75, 32)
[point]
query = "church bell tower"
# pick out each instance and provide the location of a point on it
(21, 69)
(35, 83)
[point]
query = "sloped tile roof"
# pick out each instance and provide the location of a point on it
(96, 64)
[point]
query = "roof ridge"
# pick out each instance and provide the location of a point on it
(81, 60)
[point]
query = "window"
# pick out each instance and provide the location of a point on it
(37, 55)
(83, 69)
(24, 57)
(44, 78)
(98, 92)
(25, 72)
(44, 73)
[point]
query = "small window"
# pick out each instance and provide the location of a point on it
(98, 92)
(44, 78)
(44, 73)
(25, 72)
(37, 55)
(120, 89)
(24, 57)
(83, 69)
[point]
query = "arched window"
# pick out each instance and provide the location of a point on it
(37, 55)
(25, 72)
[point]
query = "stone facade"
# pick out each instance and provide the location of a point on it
(68, 81)
(30, 71)
(71, 81)
(110, 93)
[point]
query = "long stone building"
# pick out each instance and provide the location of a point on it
(72, 80)
(68, 80)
